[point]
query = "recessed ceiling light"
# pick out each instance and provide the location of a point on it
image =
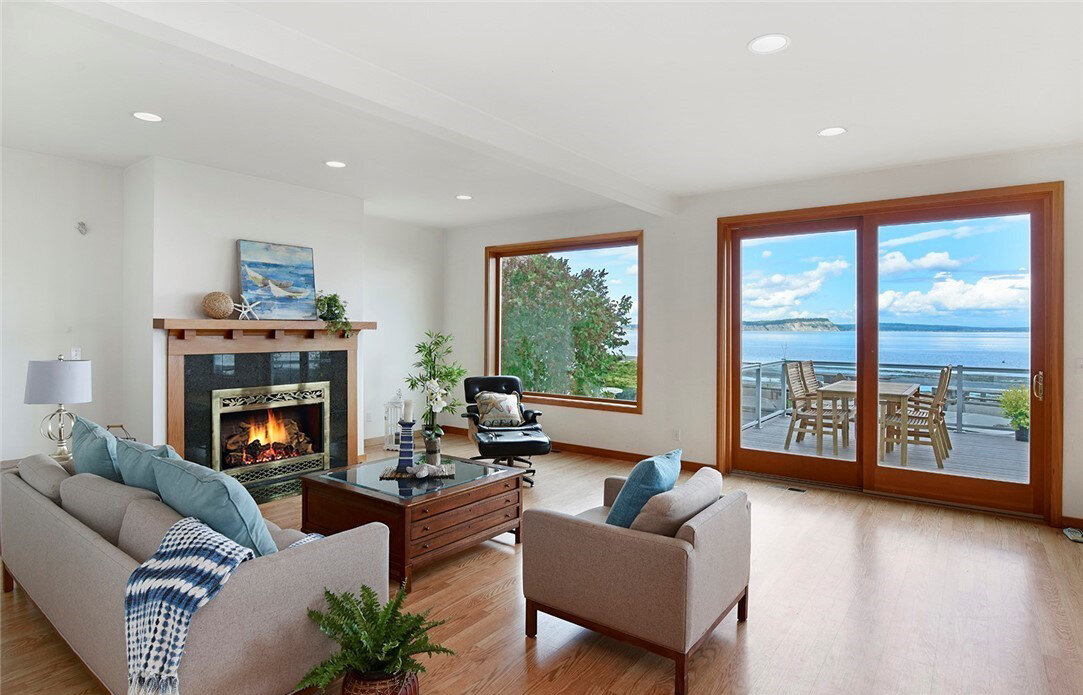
(832, 131)
(464, 197)
(335, 165)
(146, 116)
(768, 43)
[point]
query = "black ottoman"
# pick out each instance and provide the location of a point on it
(509, 446)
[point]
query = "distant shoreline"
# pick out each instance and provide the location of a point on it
(812, 325)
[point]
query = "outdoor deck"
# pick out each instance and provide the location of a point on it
(976, 455)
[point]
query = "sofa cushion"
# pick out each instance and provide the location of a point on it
(595, 515)
(666, 512)
(94, 450)
(649, 478)
(135, 460)
(43, 474)
(144, 527)
(214, 498)
(99, 503)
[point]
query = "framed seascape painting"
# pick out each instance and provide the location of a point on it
(278, 280)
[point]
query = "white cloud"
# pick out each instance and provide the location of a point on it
(992, 292)
(633, 269)
(894, 262)
(962, 231)
(766, 254)
(616, 281)
(780, 290)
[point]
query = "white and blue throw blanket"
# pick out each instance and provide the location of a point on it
(191, 566)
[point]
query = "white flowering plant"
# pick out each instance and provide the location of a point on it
(435, 379)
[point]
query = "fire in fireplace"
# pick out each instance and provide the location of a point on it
(260, 434)
(270, 435)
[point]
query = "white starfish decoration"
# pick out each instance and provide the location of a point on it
(247, 309)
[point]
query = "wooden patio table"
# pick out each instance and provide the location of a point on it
(893, 394)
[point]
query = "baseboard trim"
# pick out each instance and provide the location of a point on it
(1071, 521)
(596, 451)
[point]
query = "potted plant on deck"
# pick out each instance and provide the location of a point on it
(436, 378)
(377, 643)
(1015, 403)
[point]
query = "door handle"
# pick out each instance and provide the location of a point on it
(1037, 385)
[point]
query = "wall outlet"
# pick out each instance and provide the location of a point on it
(676, 434)
(1079, 364)
(77, 353)
(368, 417)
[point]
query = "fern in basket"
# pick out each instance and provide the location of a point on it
(376, 641)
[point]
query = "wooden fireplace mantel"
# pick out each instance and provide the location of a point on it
(232, 336)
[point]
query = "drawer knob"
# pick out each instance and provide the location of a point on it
(424, 511)
(426, 545)
(424, 528)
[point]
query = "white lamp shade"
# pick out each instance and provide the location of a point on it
(58, 381)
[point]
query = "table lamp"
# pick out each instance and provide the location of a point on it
(58, 381)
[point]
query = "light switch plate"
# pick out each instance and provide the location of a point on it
(77, 353)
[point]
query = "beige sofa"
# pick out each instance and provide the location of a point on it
(665, 594)
(71, 542)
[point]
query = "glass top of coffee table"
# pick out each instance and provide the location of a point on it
(367, 476)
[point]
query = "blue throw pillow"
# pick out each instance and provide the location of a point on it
(135, 460)
(94, 450)
(649, 478)
(216, 499)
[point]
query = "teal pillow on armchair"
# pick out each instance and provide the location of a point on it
(216, 499)
(649, 478)
(94, 450)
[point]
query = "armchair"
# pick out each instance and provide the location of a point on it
(507, 445)
(663, 594)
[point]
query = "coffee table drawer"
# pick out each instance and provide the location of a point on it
(463, 530)
(434, 524)
(443, 504)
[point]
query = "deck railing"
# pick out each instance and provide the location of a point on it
(973, 401)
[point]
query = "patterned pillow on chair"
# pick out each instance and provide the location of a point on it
(498, 409)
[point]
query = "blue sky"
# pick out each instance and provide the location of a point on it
(972, 272)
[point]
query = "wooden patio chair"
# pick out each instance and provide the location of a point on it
(924, 423)
(805, 409)
(924, 401)
(808, 376)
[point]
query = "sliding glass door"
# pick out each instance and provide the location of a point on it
(906, 347)
(959, 352)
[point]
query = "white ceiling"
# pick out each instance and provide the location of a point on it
(544, 106)
(70, 83)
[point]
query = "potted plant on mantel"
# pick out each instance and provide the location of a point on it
(436, 379)
(1015, 403)
(377, 644)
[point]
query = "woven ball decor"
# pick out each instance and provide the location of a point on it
(218, 305)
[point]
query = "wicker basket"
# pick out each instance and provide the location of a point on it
(358, 684)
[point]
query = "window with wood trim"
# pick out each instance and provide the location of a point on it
(565, 317)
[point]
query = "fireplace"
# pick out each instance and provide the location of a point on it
(263, 434)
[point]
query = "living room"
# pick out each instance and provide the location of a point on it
(403, 295)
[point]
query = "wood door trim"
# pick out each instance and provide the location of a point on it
(1049, 196)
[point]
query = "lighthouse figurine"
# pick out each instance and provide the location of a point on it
(406, 438)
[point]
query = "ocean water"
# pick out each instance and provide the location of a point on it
(271, 307)
(1009, 350)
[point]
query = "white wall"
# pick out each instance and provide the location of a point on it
(200, 213)
(679, 324)
(60, 289)
(403, 275)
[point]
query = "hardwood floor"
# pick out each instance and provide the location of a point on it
(849, 594)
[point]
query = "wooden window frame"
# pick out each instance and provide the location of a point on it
(1047, 200)
(493, 256)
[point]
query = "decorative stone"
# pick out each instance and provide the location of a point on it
(218, 305)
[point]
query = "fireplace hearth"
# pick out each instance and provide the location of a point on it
(261, 434)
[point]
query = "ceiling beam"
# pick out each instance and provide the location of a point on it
(231, 34)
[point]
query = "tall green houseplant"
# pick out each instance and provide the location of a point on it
(436, 377)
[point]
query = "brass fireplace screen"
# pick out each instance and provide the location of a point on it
(261, 434)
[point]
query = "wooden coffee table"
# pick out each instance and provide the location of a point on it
(429, 518)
